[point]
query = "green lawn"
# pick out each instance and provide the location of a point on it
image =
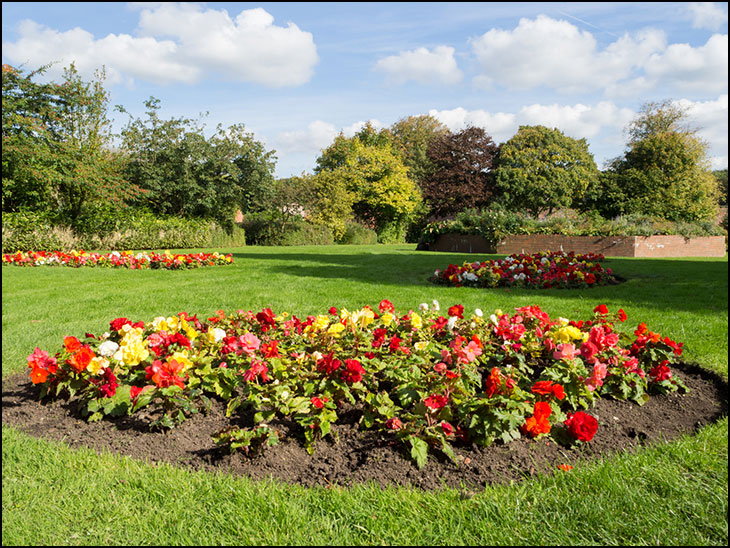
(671, 494)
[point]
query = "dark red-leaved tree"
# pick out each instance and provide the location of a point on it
(462, 177)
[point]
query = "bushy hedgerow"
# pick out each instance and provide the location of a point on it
(357, 234)
(128, 229)
(495, 223)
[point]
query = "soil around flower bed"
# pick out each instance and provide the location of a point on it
(364, 456)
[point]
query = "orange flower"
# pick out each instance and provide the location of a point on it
(565, 467)
(72, 344)
(538, 423)
(38, 375)
(81, 359)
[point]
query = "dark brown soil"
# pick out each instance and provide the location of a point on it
(360, 457)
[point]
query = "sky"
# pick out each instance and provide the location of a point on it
(296, 74)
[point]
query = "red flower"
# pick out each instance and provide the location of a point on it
(265, 319)
(394, 424)
(447, 428)
(601, 309)
(538, 423)
(333, 310)
(328, 364)
(386, 306)
(493, 382)
(622, 315)
(436, 401)
(581, 426)
(165, 374)
(117, 324)
(317, 402)
(457, 310)
(547, 388)
(353, 372)
(660, 372)
(257, 369)
(270, 350)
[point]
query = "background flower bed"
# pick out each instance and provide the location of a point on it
(125, 259)
(538, 270)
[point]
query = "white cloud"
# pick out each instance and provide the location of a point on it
(707, 15)
(557, 54)
(179, 43)
(422, 66)
(578, 121)
(702, 69)
(317, 136)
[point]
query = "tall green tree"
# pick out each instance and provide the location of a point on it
(412, 136)
(372, 179)
(663, 173)
(184, 173)
(57, 144)
(541, 170)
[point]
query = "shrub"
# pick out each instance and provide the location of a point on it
(129, 229)
(357, 234)
(264, 229)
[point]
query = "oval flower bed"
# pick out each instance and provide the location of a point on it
(116, 259)
(542, 270)
(427, 379)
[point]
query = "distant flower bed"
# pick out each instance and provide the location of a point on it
(539, 271)
(426, 378)
(125, 259)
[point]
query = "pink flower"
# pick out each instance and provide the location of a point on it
(394, 424)
(596, 379)
(250, 343)
(566, 351)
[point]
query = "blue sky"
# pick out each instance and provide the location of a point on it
(296, 74)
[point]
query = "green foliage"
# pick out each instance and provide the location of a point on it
(264, 229)
(56, 141)
(106, 228)
(495, 223)
(721, 176)
(363, 177)
(412, 136)
(188, 175)
(664, 172)
(541, 170)
(357, 234)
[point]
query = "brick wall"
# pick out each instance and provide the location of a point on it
(613, 246)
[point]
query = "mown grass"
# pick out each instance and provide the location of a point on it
(675, 493)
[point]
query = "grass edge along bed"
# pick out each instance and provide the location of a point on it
(429, 380)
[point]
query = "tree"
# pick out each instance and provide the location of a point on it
(663, 173)
(187, 174)
(412, 137)
(372, 178)
(721, 176)
(541, 170)
(462, 176)
(56, 144)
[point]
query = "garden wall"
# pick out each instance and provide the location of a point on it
(611, 246)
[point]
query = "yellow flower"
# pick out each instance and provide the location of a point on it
(159, 323)
(336, 329)
(97, 364)
(387, 319)
(568, 333)
(132, 348)
(416, 322)
(182, 359)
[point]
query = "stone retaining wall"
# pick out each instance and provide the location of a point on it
(612, 246)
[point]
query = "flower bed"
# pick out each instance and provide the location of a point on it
(426, 379)
(539, 270)
(125, 259)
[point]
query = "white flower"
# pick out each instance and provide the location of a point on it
(493, 319)
(423, 307)
(218, 334)
(452, 322)
(435, 306)
(108, 348)
(471, 277)
(478, 312)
